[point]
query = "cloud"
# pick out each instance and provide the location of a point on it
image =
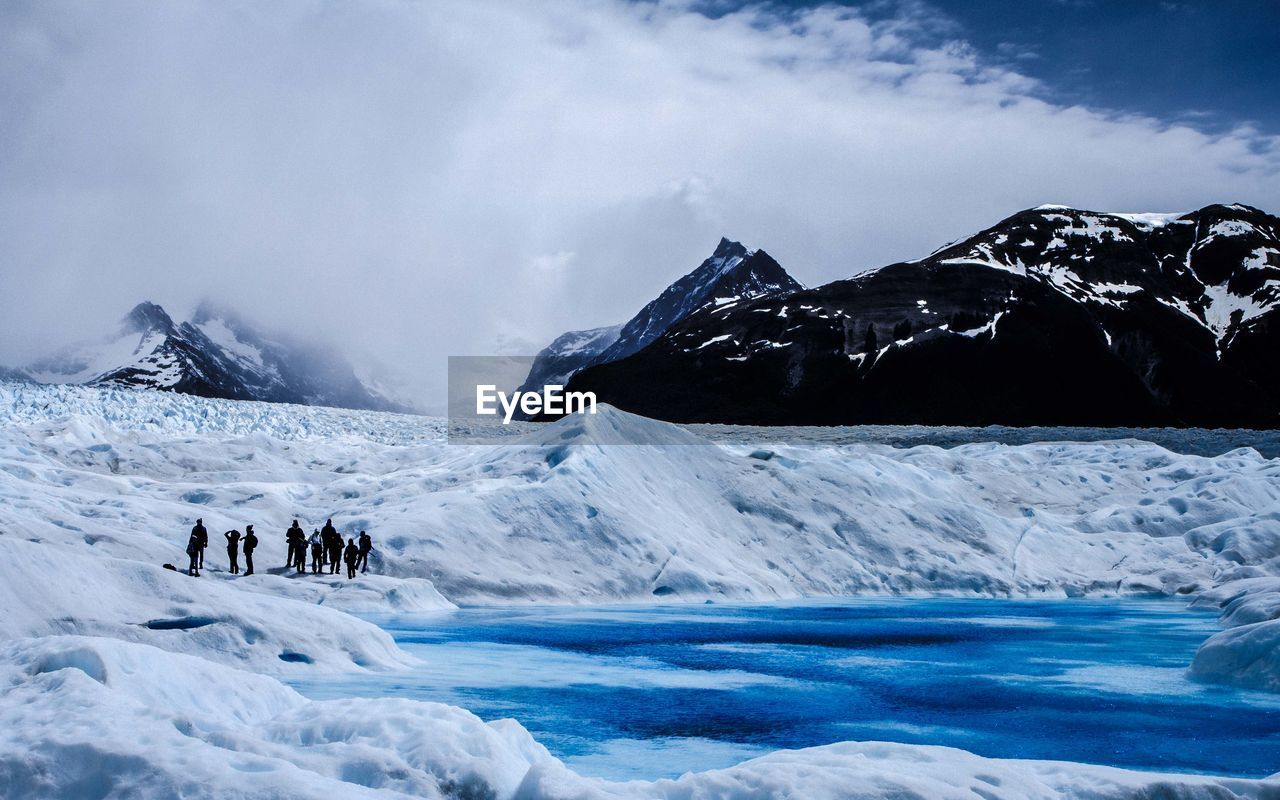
(420, 179)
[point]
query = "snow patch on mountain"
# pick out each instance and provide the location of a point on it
(1046, 253)
(567, 354)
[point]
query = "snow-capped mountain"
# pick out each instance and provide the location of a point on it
(1053, 316)
(731, 273)
(1219, 266)
(568, 353)
(215, 354)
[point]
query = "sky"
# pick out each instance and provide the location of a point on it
(412, 180)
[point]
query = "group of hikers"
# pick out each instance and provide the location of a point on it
(325, 545)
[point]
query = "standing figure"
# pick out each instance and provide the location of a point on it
(233, 550)
(193, 550)
(202, 539)
(350, 555)
(317, 552)
(296, 539)
(366, 544)
(333, 544)
(249, 544)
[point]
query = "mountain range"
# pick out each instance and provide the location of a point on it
(214, 354)
(1053, 316)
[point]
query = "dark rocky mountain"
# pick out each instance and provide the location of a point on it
(215, 354)
(731, 273)
(1055, 316)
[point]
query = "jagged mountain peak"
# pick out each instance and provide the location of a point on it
(147, 316)
(731, 273)
(728, 248)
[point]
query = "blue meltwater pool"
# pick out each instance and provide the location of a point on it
(648, 692)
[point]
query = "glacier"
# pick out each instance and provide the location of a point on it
(121, 678)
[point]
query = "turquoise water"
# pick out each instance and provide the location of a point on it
(648, 692)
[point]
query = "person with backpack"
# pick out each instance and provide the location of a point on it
(193, 550)
(366, 544)
(233, 550)
(249, 544)
(349, 556)
(202, 540)
(317, 552)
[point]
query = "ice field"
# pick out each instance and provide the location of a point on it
(120, 678)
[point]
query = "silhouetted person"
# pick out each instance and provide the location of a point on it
(366, 544)
(350, 555)
(233, 550)
(317, 552)
(249, 544)
(193, 550)
(202, 540)
(296, 539)
(333, 547)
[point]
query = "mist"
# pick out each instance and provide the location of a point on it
(410, 181)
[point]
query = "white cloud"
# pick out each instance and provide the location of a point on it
(402, 176)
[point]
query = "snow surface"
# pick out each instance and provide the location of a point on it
(1247, 653)
(560, 517)
(121, 678)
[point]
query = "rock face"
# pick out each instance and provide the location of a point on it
(731, 273)
(216, 354)
(1055, 316)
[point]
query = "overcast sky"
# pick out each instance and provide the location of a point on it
(421, 179)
